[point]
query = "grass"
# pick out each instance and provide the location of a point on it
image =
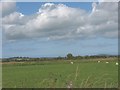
(59, 74)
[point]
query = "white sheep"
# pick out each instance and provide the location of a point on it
(116, 63)
(71, 62)
(98, 61)
(107, 62)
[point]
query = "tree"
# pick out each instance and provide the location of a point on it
(69, 56)
(58, 58)
(79, 57)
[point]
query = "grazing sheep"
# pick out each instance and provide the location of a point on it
(71, 62)
(107, 62)
(116, 63)
(98, 61)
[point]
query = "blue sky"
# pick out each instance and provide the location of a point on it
(102, 42)
(32, 7)
(58, 48)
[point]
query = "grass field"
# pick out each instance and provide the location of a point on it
(60, 74)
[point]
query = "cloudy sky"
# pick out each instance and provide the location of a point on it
(37, 29)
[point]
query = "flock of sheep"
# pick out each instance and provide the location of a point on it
(99, 62)
(108, 62)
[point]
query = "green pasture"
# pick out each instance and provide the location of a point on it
(59, 74)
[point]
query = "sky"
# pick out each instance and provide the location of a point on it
(36, 29)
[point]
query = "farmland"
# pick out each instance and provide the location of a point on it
(61, 73)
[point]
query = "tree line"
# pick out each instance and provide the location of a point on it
(69, 56)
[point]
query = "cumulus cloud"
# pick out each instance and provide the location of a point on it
(13, 18)
(7, 8)
(58, 21)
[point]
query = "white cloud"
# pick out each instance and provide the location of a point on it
(58, 21)
(13, 18)
(7, 8)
